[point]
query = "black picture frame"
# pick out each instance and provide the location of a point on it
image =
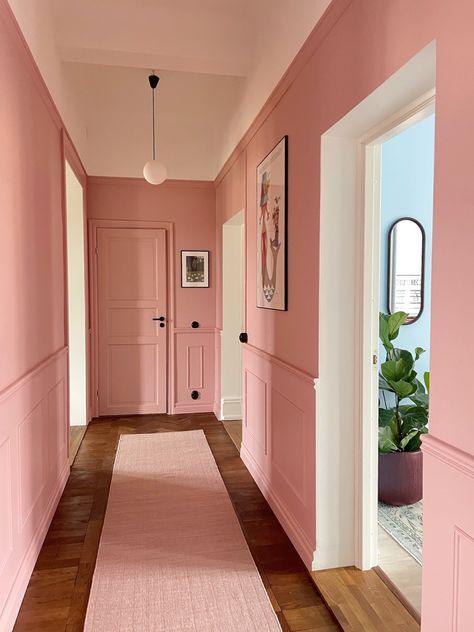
(187, 255)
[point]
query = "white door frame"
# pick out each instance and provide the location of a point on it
(346, 423)
(369, 308)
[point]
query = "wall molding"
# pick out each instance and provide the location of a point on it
(188, 409)
(141, 182)
(302, 375)
(35, 412)
(27, 377)
(191, 330)
(18, 589)
(452, 456)
(302, 544)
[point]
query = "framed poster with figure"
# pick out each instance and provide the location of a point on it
(271, 228)
(194, 268)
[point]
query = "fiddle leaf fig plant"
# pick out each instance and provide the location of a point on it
(405, 419)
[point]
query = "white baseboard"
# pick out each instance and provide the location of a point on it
(327, 558)
(231, 408)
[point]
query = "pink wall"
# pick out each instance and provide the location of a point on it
(33, 367)
(355, 48)
(189, 207)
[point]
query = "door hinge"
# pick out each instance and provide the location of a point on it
(96, 250)
(375, 359)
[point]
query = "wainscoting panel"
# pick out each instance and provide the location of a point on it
(278, 442)
(33, 471)
(195, 360)
(448, 540)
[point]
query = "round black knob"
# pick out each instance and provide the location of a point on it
(195, 324)
(243, 337)
(162, 324)
(195, 395)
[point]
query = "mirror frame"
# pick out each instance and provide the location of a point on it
(389, 265)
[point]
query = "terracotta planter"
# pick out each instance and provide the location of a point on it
(401, 478)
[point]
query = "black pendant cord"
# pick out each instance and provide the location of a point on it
(153, 106)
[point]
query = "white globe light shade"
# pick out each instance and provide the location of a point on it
(155, 172)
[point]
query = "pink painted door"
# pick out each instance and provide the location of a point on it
(132, 340)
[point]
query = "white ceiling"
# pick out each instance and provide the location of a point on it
(218, 61)
(217, 38)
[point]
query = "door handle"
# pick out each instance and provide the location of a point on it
(160, 318)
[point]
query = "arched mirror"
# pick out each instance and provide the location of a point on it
(406, 267)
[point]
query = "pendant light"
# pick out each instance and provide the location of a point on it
(154, 171)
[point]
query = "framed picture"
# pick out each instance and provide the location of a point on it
(271, 228)
(194, 268)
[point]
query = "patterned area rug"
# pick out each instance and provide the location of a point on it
(405, 525)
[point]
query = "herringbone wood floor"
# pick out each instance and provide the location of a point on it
(56, 598)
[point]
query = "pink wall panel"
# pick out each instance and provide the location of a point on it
(255, 427)
(278, 442)
(448, 538)
(34, 468)
(195, 370)
(6, 506)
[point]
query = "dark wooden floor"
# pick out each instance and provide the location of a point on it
(56, 599)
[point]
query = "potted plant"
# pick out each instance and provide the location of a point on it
(403, 418)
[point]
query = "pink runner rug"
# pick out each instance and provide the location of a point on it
(172, 556)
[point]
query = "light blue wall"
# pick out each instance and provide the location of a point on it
(407, 191)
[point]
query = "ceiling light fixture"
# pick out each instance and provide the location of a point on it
(154, 171)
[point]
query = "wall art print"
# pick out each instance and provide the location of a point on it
(194, 268)
(271, 228)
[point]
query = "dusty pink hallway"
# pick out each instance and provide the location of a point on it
(236, 78)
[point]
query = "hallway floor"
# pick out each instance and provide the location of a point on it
(57, 595)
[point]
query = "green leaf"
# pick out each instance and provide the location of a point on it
(413, 417)
(383, 384)
(418, 352)
(395, 321)
(402, 388)
(387, 440)
(396, 370)
(386, 416)
(420, 399)
(406, 440)
(426, 379)
(414, 444)
(383, 332)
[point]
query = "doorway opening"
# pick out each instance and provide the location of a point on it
(233, 324)
(399, 186)
(77, 319)
(347, 383)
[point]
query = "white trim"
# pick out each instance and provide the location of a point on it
(368, 335)
(231, 408)
(346, 447)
